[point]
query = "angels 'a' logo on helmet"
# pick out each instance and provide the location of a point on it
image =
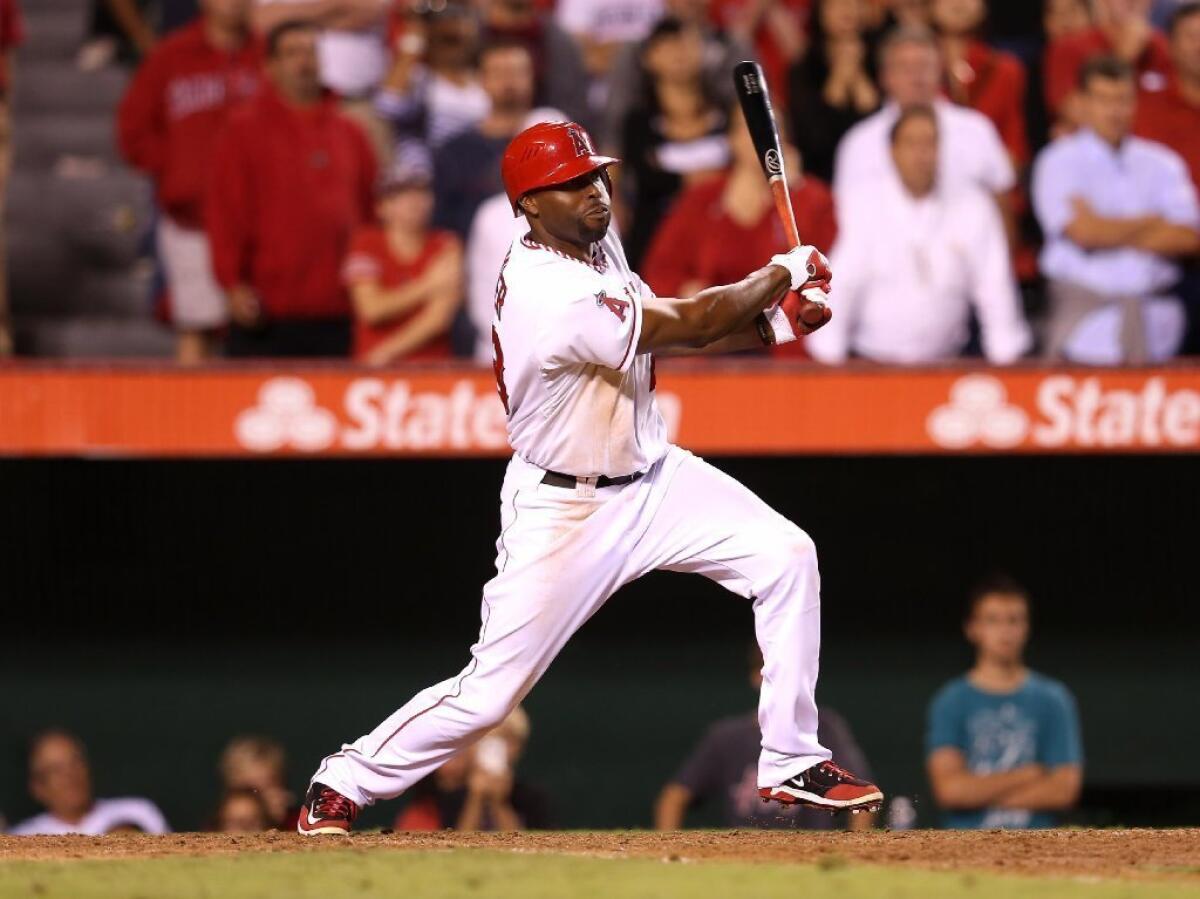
(583, 143)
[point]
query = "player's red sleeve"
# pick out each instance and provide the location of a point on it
(671, 260)
(141, 119)
(229, 207)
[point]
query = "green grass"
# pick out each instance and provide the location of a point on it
(501, 875)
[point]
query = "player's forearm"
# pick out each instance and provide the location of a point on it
(747, 338)
(724, 311)
(1052, 792)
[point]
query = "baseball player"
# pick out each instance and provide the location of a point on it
(595, 496)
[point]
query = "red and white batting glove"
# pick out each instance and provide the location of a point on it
(795, 315)
(807, 265)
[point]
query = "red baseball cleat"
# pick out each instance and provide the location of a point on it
(826, 786)
(326, 811)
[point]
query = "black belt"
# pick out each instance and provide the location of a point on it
(558, 479)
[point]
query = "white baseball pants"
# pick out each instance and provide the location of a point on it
(561, 554)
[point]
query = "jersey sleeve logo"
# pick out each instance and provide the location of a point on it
(619, 308)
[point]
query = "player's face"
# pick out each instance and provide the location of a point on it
(577, 212)
(999, 628)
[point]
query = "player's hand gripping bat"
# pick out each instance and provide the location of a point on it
(752, 94)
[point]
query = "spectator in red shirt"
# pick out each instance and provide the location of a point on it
(978, 76)
(167, 126)
(1122, 29)
(291, 180)
(11, 34)
(717, 225)
(1170, 113)
(1171, 116)
(406, 280)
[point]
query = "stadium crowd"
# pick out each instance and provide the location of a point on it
(1003, 750)
(994, 179)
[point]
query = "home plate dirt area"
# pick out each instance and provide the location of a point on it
(1172, 855)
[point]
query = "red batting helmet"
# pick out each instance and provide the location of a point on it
(547, 154)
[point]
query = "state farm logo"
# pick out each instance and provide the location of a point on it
(978, 412)
(1068, 412)
(462, 417)
(287, 415)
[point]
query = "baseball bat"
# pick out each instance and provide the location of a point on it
(755, 100)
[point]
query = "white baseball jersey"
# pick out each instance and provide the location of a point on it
(579, 397)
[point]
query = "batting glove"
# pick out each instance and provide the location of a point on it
(794, 316)
(807, 265)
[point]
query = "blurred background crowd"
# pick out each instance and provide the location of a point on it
(1003, 750)
(273, 178)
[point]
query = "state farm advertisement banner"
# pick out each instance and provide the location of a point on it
(722, 408)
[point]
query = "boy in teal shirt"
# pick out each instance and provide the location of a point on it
(1003, 745)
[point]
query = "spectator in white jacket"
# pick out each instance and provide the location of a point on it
(913, 258)
(971, 152)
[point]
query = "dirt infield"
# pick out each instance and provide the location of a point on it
(1089, 853)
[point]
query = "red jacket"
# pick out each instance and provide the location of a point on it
(1168, 117)
(175, 109)
(1066, 56)
(699, 241)
(288, 188)
(996, 88)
